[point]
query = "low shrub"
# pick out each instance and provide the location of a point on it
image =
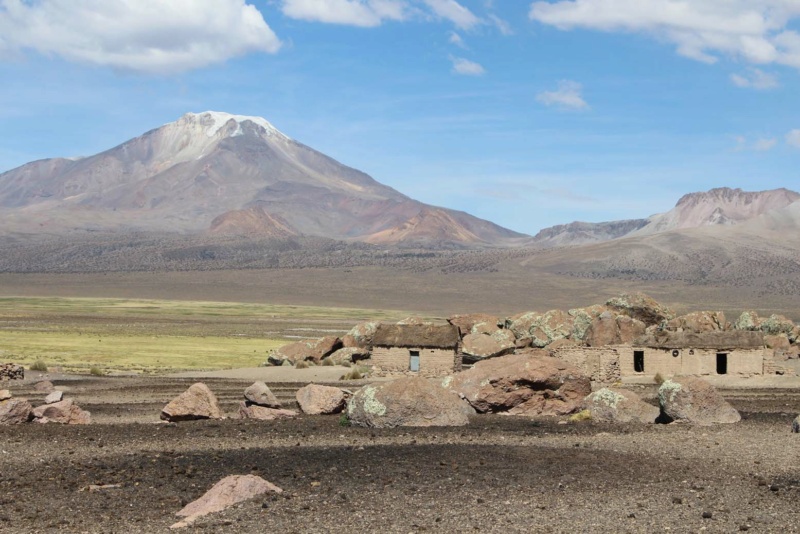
(96, 371)
(302, 364)
(328, 362)
(38, 365)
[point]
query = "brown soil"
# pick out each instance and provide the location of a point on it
(497, 474)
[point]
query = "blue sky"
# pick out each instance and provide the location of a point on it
(525, 113)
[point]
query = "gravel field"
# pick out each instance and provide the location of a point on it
(499, 473)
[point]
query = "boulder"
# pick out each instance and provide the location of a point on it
(693, 400)
(522, 384)
(619, 406)
(551, 326)
(611, 329)
(776, 325)
(522, 323)
(45, 386)
(320, 400)
(474, 323)
(361, 335)
(415, 320)
(778, 342)
(748, 320)
(796, 425)
(642, 307)
(349, 355)
(262, 413)
(54, 397)
(630, 329)
(259, 394)
(479, 346)
(412, 401)
(5, 394)
(224, 494)
(582, 319)
(197, 402)
(702, 321)
(65, 412)
(306, 350)
(15, 411)
(324, 347)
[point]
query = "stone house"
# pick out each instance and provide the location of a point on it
(737, 353)
(424, 350)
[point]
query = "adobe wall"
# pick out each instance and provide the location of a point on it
(601, 364)
(432, 362)
(741, 362)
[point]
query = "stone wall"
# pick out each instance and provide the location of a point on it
(698, 362)
(391, 361)
(601, 364)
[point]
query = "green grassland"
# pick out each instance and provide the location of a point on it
(152, 336)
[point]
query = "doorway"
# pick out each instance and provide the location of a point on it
(413, 364)
(722, 363)
(638, 361)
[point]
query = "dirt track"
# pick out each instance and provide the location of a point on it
(497, 474)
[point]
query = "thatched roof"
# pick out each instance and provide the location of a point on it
(718, 340)
(416, 336)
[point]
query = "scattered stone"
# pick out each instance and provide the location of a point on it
(15, 411)
(522, 384)
(225, 493)
(5, 394)
(45, 386)
(197, 402)
(64, 412)
(693, 400)
(262, 413)
(260, 394)
(708, 515)
(642, 307)
(54, 397)
(11, 371)
(94, 488)
(796, 425)
(320, 400)
(412, 401)
(619, 406)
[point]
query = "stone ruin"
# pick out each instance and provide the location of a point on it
(11, 371)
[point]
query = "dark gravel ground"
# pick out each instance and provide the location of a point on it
(497, 474)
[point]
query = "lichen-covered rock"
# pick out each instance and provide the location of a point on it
(777, 342)
(611, 329)
(259, 393)
(361, 335)
(197, 402)
(642, 307)
(796, 425)
(702, 321)
(224, 494)
(15, 411)
(551, 326)
(582, 319)
(412, 401)
(299, 351)
(479, 346)
(349, 355)
(262, 413)
(748, 320)
(65, 412)
(531, 383)
(693, 400)
(776, 325)
(479, 322)
(619, 406)
(320, 400)
(413, 320)
(522, 323)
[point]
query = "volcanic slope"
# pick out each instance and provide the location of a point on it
(232, 174)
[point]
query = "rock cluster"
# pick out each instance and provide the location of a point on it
(11, 371)
(261, 404)
(56, 409)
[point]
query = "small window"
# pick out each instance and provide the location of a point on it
(722, 363)
(413, 364)
(638, 361)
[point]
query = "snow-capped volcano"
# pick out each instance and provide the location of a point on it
(188, 173)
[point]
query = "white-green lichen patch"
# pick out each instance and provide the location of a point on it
(447, 381)
(371, 404)
(668, 390)
(607, 397)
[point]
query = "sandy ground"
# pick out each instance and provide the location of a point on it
(271, 374)
(499, 473)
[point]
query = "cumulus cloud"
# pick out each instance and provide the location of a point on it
(793, 138)
(757, 31)
(364, 13)
(454, 12)
(567, 96)
(503, 26)
(457, 40)
(466, 67)
(139, 35)
(755, 79)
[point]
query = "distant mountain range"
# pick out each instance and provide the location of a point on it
(225, 174)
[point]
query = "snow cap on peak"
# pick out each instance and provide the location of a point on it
(215, 120)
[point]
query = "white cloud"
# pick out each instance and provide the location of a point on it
(754, 30)
(755, 79)
(456, 39)
(503, 26)
(138, 35)
(793, 138)
(466, 67)
(454, 12)
(365, 13)
(763, 145)
(568, 96)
